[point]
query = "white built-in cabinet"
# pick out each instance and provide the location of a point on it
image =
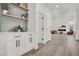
(15, 44)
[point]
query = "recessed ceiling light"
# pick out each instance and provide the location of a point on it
(57, 6)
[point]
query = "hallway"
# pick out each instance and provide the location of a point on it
(28, 32)
(60, 45)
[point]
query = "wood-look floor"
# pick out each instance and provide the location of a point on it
(60, 45)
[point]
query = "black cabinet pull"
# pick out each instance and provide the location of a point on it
(42, 28)
(30, 39)
(16, 43)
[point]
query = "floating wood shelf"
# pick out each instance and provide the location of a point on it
(14, 17)
(20, 6)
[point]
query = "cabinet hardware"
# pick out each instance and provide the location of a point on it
(42, 28)
(42, 39)
(30, 34)
(30, 39)
(16, 43)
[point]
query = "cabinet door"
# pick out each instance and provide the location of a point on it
(31, 43)
(2, 44)
(24, 44)
(18, 44)
(12, 49)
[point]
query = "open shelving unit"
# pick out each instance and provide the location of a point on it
(13, 16)
(7, 12)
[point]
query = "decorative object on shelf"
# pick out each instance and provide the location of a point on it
(24, 16)
(18, 28)
(4, 7)
(5, 12)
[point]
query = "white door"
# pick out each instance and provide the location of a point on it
(41, 27)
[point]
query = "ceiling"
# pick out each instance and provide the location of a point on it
(62, 11)
(62, 7)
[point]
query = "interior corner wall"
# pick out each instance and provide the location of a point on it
(32, 21)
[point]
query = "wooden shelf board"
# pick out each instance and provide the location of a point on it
(13, 16)
(20, 6)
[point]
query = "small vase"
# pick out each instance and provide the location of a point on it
(5, 11)
(18, 30)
